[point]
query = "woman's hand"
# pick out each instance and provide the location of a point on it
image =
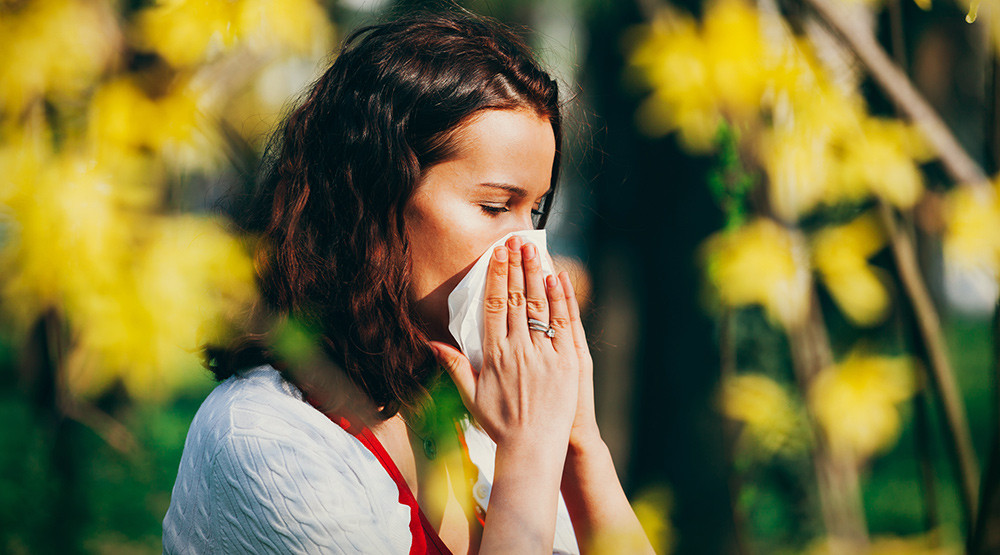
(527, 389)
(584, 431)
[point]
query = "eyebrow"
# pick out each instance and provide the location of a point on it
(513, 189)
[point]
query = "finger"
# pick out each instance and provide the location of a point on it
(495, 299)
(517, 322)
(458, 367)
(559, 315)
(536, 301)
(576, 322)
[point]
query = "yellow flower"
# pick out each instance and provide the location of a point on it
(840, 255)
(761, 263)
(855, 402)
(71, 223)
(124, 119)
(881, 160)
(186, 32)
(291, 26)
(972, 239)
(772, 422)
(56, 47)
(189, 280)
(670, 55)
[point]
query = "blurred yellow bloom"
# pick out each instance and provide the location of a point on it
(139, 291)
(761, 263)
(188, 32)
(815, 140)
(972, 217)
(71, 222)
(772, 422)
(840, 255)
(881, 159)
(293, 26)
(124, 118)
(54, 47)
(188, 281)
(855, 402)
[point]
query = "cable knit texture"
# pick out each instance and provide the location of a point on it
(265, 472)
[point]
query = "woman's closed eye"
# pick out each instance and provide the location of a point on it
(493, 210)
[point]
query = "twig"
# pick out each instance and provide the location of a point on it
(941, 373)
(901, 92)
(837, 477)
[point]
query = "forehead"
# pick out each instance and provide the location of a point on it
(515, 147)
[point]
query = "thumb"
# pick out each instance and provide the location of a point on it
(458, 367)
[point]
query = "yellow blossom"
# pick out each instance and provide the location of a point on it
(761, 263)
(972, 217)
(56, 47)
(881, 159)
(855, 402)
(189, 280)
(292, 26)
(123, 118)
(70, 221)
(772, 422)
(186, 32)
(840, 255)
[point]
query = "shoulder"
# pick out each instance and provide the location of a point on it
(272, 471)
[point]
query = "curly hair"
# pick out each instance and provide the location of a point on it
(327, 209)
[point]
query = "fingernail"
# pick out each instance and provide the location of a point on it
(515, 243)
(529, 251)
(550, 280)
(500, 254)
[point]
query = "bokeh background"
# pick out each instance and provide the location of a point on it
(781, 214)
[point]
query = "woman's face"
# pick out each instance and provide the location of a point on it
(501, 171)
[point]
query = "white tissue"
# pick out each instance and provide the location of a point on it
(465, 303)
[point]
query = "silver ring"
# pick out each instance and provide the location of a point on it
(538, 325)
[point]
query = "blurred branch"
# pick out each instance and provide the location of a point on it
(985, 536)
(837, 476)
(941, 373)
(963, 169)
(727, 364)
(901, 92)
(113, 432)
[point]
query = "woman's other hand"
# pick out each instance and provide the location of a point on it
(527, 389)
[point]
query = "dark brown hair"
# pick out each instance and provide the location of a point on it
(327, 211)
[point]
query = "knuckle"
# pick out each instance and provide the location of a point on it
(495, 304)
(515, 298)
(560, 323)
(498, 269)
(536, 305)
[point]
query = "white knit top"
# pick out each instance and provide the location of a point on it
(263, 471)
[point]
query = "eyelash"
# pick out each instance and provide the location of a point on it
(497, 210)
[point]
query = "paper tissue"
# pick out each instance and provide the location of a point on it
(465, 303)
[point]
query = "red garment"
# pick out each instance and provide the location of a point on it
(425, 537)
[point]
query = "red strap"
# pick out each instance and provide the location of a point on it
(425, 537)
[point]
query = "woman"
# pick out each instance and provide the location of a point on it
(427, 140)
